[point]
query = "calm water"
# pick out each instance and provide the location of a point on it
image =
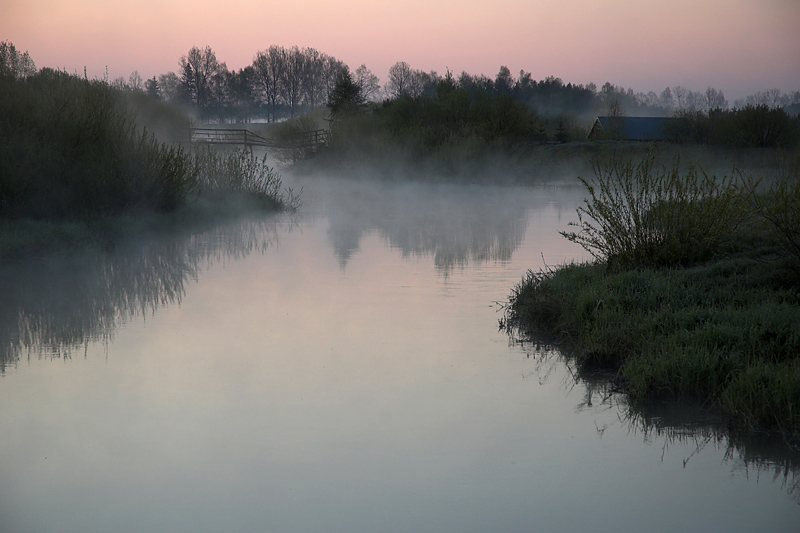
(342, 370)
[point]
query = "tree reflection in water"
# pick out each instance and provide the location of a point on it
(455, 225)
(53, 307)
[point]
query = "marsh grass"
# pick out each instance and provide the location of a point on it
(240, 172)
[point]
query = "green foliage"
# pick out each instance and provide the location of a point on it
(346, 97)
(726, 332)
(638, 216)
(442, 135)
(72, 148)
(780, 207)
(749, 127)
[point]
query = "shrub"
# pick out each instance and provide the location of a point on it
(780, 207)
(638, 216)
(70, 148)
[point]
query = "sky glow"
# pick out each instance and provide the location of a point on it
(739, 46)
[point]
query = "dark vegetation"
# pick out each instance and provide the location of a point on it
(694, 294)
(426, 125)
(468, 130)
(74, 152)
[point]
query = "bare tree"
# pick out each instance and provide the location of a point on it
(292, 79)
(405, 81)
(119, 83)
(332, 71)
(367, 82)
(715, 99)
(219, 89)
(313, 77)
(267, 72)
(135, 82)
(400, 81)
(15, 64)
(680, 94)
(665, 99)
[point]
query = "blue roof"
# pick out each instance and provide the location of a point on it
(637, 128)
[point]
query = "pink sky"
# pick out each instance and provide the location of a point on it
(739, 46)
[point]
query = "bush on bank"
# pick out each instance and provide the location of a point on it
(715, 320)
(71, 148)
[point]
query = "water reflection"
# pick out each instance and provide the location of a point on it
(672, 425)
(51, 308)
(454, 224)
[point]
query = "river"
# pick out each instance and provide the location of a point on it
(342, 369)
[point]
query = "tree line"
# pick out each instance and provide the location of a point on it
(285, 82)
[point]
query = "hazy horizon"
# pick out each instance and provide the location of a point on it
(739, 46)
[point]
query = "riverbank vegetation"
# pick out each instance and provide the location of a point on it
(74, 152)
(694, 292)
(461, 130)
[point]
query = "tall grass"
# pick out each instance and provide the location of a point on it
(640, 215)
(240, 171)
(780, 207)
(71, 148)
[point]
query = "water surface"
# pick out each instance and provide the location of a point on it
(342, 370)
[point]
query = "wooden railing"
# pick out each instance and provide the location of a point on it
(246, 138)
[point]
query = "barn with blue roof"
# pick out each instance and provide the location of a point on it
(631, 128)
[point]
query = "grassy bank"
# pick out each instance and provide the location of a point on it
(694, 293)
(78, 163)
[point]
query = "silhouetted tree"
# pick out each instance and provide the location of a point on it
(151, 88)
(313, 77)
(198, 69)
(346, 98)
(503, 82)
(135, 82)
(268, 68)
(399, 83)
(367, 82)
(242, 98)
(169, 87)
(292, 78)
(15, 64)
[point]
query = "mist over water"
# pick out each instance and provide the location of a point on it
(342, 370)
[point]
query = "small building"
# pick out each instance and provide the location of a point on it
(632, 128)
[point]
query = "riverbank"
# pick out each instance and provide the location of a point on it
(716, 321)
